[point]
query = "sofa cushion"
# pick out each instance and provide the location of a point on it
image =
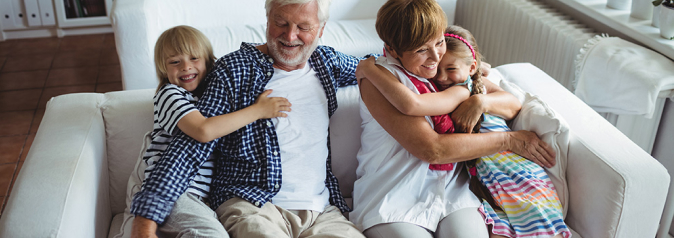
(127, 116)
(538, 117)
(132, 187)
(345, 133)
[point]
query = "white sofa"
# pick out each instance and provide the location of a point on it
(74, 179)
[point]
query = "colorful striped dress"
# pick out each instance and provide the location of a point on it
(531, 207)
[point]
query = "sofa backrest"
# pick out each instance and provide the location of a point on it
(138, 23)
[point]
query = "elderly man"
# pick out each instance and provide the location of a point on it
(273, 177)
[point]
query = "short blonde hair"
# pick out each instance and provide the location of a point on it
(408, 24)
(181, 40)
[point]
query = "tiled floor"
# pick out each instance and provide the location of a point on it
(34, 70)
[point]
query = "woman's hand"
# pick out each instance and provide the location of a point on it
(527, 144)
(468, 113)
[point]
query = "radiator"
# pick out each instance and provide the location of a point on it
(511, 31)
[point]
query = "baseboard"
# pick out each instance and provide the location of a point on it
(52, 32)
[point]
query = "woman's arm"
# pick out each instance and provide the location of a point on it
(416, 136)
(496, 102)
(405, 100)
(203, 129)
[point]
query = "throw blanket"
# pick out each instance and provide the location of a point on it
(620, 77)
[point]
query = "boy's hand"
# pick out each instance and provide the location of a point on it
(143, 228)
(270, 107)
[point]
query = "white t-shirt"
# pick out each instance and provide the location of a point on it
(171, 103)
(302, 137)
(394, 185)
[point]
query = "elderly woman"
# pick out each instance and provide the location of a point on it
(397, 194)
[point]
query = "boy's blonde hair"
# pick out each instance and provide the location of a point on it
(181, 40)
(408, 24)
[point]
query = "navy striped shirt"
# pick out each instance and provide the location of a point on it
(171, 103)
(248, 162)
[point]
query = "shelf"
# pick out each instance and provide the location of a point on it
(620, 20)
(64, 22)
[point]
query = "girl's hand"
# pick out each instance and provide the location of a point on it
(527, 144)
(364, 67)
(485, 68)
(270, 107)
(467, 114)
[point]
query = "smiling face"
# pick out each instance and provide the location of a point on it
(453, 70)
(185, 70)
(292, 34)
(423, 61)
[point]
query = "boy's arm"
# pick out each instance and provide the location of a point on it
(182, 158)
(204, 129)
(406, 101)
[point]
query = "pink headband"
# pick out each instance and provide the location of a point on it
(464, 41)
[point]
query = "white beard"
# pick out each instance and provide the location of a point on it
(281, 55)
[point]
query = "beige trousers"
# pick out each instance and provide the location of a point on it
(243, 219)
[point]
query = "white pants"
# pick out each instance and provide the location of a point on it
(464, 223)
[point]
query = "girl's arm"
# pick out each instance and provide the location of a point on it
(203, 129)
(404, 99)
(496, 102)
(499, 102)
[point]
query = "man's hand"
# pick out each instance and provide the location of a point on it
(527, 144)
(143, 228)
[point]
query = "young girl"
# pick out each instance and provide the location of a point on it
(183, 58)
(520, 200)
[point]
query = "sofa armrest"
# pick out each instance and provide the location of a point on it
(62, 189)
(616, 188)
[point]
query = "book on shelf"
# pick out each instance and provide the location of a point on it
(84, 8)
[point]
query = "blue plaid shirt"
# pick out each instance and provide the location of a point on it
(248, 161)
